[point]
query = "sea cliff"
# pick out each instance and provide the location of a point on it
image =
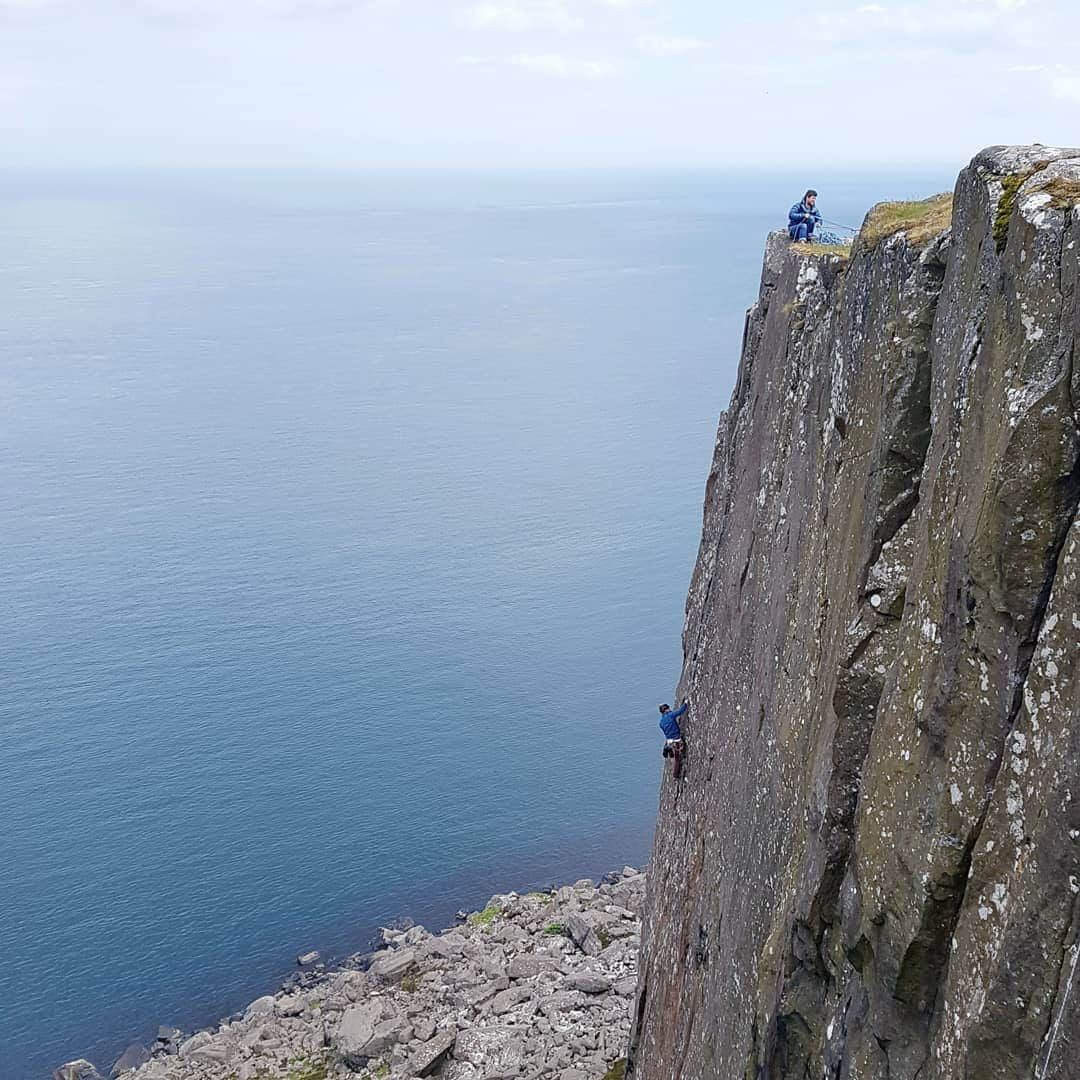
(872, 867)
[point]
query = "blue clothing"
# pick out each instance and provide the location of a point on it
(669, 722)
(801, 220)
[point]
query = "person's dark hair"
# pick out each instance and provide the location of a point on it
(664, 708)
(809, 192)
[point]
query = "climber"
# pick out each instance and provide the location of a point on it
(802, 218)
(673, 745)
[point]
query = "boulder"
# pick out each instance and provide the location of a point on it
(392, 964)
(561, 1001)
(355, 1032)
(529, 966)
(308, 958)
(497, 1050)
(80, 1069)
(364, 1033)
(263, 1006)
(505, 1000)
(200, 1038)
(583, 935)
(134, 1056)
(291, 1005)
(587, 983)
(432, 1053)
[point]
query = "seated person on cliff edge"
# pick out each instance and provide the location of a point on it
(669, 725)
(802, 218)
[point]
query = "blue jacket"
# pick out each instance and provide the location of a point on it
(798, 211)
(669, 722)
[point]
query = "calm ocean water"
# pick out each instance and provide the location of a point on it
(346, 527)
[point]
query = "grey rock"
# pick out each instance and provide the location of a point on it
(583, 935)
(425, 1030)
(307, 958)
(497, 1049)
(560, 1002)
(80, 1069)
(505, 1000)
(529, 966)
(135, 1055)
(263, 1006)
(427, 1059)
(392, 965)
(587, 984)
(291, 1005)
(199, 1039)
(355, 1039)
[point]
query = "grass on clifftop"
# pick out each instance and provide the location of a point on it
(822, 249)
(921, 220)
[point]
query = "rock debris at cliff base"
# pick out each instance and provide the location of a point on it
(872, 870)
(537, 987)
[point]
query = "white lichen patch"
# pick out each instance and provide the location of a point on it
(1031, 331)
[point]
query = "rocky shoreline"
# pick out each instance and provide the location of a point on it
(537, 986)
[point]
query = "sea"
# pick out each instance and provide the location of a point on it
(346, 521)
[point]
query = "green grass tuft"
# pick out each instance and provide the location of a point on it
(617, 1070)
(554, 929)
(485, 917)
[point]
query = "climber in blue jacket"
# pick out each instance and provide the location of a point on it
(802, 218)
(673, 744)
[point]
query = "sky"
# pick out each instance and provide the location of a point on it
(532, 83)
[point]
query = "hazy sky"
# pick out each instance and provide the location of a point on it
(530, 82)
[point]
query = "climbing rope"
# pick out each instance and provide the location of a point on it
(838, 225)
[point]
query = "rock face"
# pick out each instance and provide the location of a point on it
(872, 867)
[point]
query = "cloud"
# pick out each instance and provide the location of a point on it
(968, 28)
(558, 66)
(1067, 87)
(523, 15)
(654, 45)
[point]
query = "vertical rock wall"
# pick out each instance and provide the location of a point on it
(872, 868)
